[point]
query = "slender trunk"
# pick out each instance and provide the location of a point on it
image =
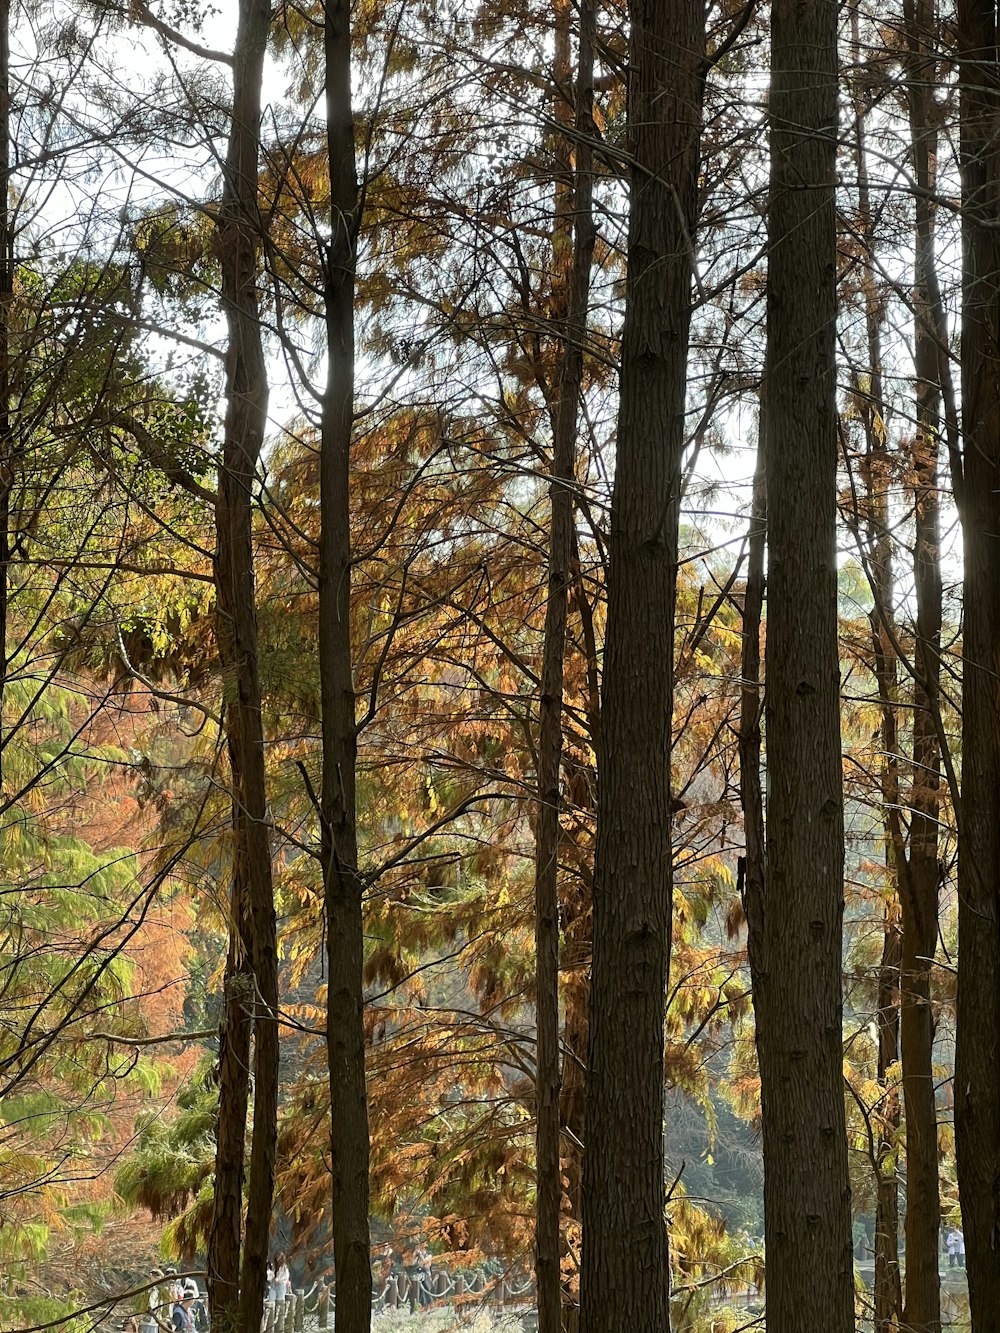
(919, 901)
(798, 989)
(887, 1291)
(547, 1086)
(873, 411)
(8, 447)
(576, 919)
(223, 1259)
(888, 1294)
(977, 1055)
(919, 886)
(753, 865)
(256, 989)
(344, 889)
(625, 1280)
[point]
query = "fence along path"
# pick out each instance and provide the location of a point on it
(400, 1291)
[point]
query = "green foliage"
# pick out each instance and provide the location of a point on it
(22, 1310)
(172, 1161)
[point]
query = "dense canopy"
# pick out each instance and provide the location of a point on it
(500, 663)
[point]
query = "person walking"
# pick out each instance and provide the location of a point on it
(422, 1260)
(951, 1241)
(283, 1279)
(381, 1275)
(159, 1307)
(182, 1320)
(270, 1294)
(146, 1303)
(173, 1294)
(199, 1315)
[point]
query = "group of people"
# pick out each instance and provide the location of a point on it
(410, 1270)
(419, 1273)
(279, 1280)
(172, 1304)
(176, 1305)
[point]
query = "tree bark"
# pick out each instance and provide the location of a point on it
(887, 1289)
(977, 1056)
(253, 988)
(753, 865)
(223, 1258)
(548, 1249)
(919, 882)
(8, 447)
(625, 1280)
(887, 1292)
(885, 1117)
(798, 987)
(343, 885)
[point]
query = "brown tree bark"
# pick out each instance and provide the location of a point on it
(343, 884)
(884, 1122)
(252, 983)
(625, 1280)
(548, 1247)
(919, 878)
(8, 448)
(887, 1291)
(798, 986)
(977, 1056)
(752, 878)
(224, 1241)
(885, 1119)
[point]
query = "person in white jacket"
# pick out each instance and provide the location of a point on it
(282, 1278)
(951, 1243)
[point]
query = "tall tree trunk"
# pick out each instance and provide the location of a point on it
(872, 409)
(625, 1281)
(887, 1292)
(919, 883)
(798, 986)
(753, 865)
(256, 989)
(548, 1250)
(576, 919)
(223, 1258)
(977, 1056)
(887, 1289)
(344, 889)
(8, 448)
